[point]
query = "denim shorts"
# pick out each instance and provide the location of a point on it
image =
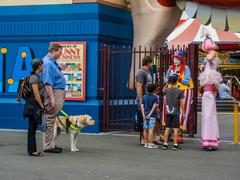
(149, 123)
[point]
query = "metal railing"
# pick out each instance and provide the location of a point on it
(119, 104)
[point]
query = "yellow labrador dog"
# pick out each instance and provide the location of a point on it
(73, 125)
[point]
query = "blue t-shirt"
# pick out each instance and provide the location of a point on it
(148, 100)
(51, 74)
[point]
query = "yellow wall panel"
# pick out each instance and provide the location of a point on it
(32, 2)
(117, 3)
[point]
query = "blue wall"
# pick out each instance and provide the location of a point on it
(35, 27)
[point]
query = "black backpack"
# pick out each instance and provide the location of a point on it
(24, 89)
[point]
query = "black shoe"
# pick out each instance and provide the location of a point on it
(61, 149)
(36, 154)
(176, 147)
(53, 150)
(211, 149)
(165, 147)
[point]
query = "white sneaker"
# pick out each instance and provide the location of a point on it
(152, 146)
(146, 145)
(157, 138)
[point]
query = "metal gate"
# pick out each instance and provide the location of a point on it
(119, 105)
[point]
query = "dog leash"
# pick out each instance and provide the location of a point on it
(64, 113)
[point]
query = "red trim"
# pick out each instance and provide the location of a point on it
(182, 68)
(187, 36)
(167, 3)
(227, 36)
(180, 79)
(181, 58)
(164, 110)
(185, 105)
(210, 140)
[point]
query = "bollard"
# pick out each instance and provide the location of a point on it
(235, 123)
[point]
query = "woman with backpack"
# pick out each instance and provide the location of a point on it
(34, 107)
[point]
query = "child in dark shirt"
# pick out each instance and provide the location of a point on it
(174, 100)
(148, 107)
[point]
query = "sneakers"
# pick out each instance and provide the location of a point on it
(152, 146)
(156, 139)
(145, 145)
(176, 147)
(165, 147)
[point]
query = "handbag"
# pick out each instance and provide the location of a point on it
(32, 109)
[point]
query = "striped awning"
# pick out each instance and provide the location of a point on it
(190, 31)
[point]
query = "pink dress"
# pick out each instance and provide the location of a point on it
(209, 79)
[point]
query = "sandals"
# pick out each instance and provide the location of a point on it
(39, 154)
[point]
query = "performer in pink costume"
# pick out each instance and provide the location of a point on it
(209, 80)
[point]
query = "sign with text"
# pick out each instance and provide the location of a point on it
(73, 66)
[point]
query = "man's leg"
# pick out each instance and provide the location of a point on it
(59, 98)
(140, 126)
(49, 136)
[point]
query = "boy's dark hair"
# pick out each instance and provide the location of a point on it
(151, 88)
(147, 60)
(172, 79)
(54, 47)
(224, 81)
(36, 63)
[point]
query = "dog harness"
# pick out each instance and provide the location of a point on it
(70, 125)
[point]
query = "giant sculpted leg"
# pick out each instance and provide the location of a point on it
(152, 24)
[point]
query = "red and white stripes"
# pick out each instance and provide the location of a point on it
(190, 30)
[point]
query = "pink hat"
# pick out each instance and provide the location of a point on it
(208, 45)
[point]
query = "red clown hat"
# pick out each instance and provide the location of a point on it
(179, 55)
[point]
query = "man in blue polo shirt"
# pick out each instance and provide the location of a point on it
(55, 84)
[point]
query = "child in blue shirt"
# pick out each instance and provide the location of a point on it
(149, 106)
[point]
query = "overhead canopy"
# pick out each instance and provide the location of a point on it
(190, 31)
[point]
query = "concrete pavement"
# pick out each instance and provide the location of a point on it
(119, 157)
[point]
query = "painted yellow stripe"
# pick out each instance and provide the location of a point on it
(33, 2)
(117, 3)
